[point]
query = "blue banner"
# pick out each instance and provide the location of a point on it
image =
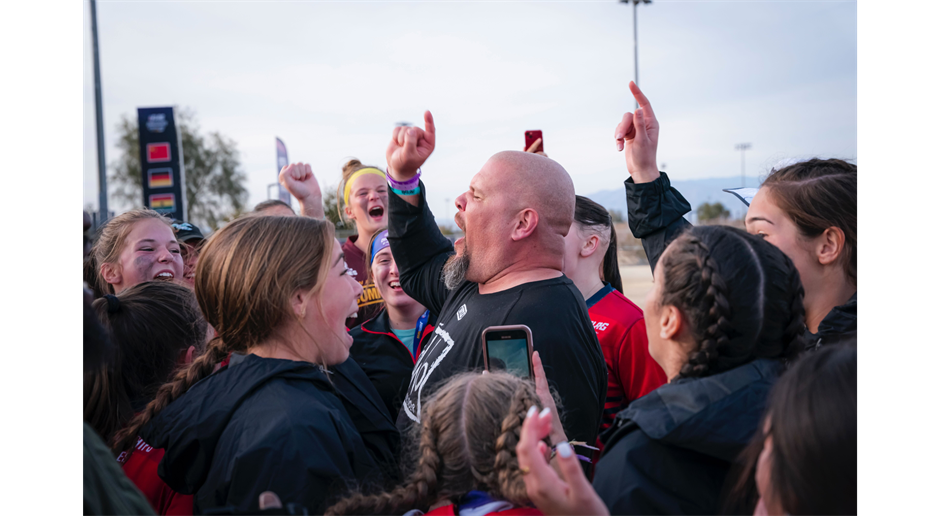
(161, 162)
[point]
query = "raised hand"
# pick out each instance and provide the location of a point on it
(534, 148)
(409, 149)
(569, 494)
(638, 133)
(299, 180)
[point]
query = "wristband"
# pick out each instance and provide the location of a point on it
(414, 191)
(410, 184)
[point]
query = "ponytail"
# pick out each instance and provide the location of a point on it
(611, 267)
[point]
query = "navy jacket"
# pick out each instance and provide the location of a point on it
(261, 424)
(670, 451)
(386, 361)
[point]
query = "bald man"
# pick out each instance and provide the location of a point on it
(506, 270)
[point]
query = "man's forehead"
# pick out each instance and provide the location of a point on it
(490, 178)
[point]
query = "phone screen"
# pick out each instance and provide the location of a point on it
(511, 355)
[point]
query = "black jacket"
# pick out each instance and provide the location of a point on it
(260, 424)
(669, 451)
(655, 211)
(386, 360)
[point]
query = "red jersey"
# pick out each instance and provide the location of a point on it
(631, 371)
(141, 468)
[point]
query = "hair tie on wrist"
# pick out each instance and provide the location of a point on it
(410, 186)
(114, 304)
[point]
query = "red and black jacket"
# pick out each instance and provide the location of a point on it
(387, 361)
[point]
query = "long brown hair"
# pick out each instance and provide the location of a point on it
(151, 325)
(468, 436)
(818, 194)
(813, 412)
(111, 240)
(246, 275)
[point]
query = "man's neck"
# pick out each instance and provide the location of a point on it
(513, 277)
(404, 318)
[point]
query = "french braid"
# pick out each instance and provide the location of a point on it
(419, 492)
(794, 333)
(456, 453)
(506, 467)
(716, 320)
(729, 326)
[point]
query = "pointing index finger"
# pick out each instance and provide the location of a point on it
(429, 123)
(642, 100)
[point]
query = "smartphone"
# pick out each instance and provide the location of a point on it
(508, 348)
(530, 137)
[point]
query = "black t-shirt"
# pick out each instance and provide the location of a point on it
(553, 309)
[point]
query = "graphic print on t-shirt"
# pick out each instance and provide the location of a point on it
(438, 348)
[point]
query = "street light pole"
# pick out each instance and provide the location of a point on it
(99, 120)
(742, 147)
(636, 47)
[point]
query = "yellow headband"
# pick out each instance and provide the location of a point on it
(356, 174)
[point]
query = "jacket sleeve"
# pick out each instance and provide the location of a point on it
(420, 250)
(655, 213)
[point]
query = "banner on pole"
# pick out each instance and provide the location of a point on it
(161, 162)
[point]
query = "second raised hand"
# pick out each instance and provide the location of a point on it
(637, 135)
(409, 148)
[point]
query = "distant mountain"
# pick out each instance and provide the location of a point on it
(696, 191)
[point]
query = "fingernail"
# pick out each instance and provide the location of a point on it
(545, 411)
(564, 449)
(531, 411)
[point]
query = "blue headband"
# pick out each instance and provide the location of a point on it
(380, 242)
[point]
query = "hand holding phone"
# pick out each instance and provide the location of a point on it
(508, 348)
(534, 142)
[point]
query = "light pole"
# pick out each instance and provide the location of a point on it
(102, 169)
(636, 58)
(742, 147)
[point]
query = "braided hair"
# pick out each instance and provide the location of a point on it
(742, 297)
(467, 441)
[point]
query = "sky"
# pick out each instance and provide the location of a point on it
(331, 80)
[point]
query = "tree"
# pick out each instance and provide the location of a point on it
(616, 216)
(215, 185)
(330, 208)
(711, 211)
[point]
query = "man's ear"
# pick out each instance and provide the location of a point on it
(590, 246)
(829, 245)
(526, 222)
(671, 322)
(111, 272)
